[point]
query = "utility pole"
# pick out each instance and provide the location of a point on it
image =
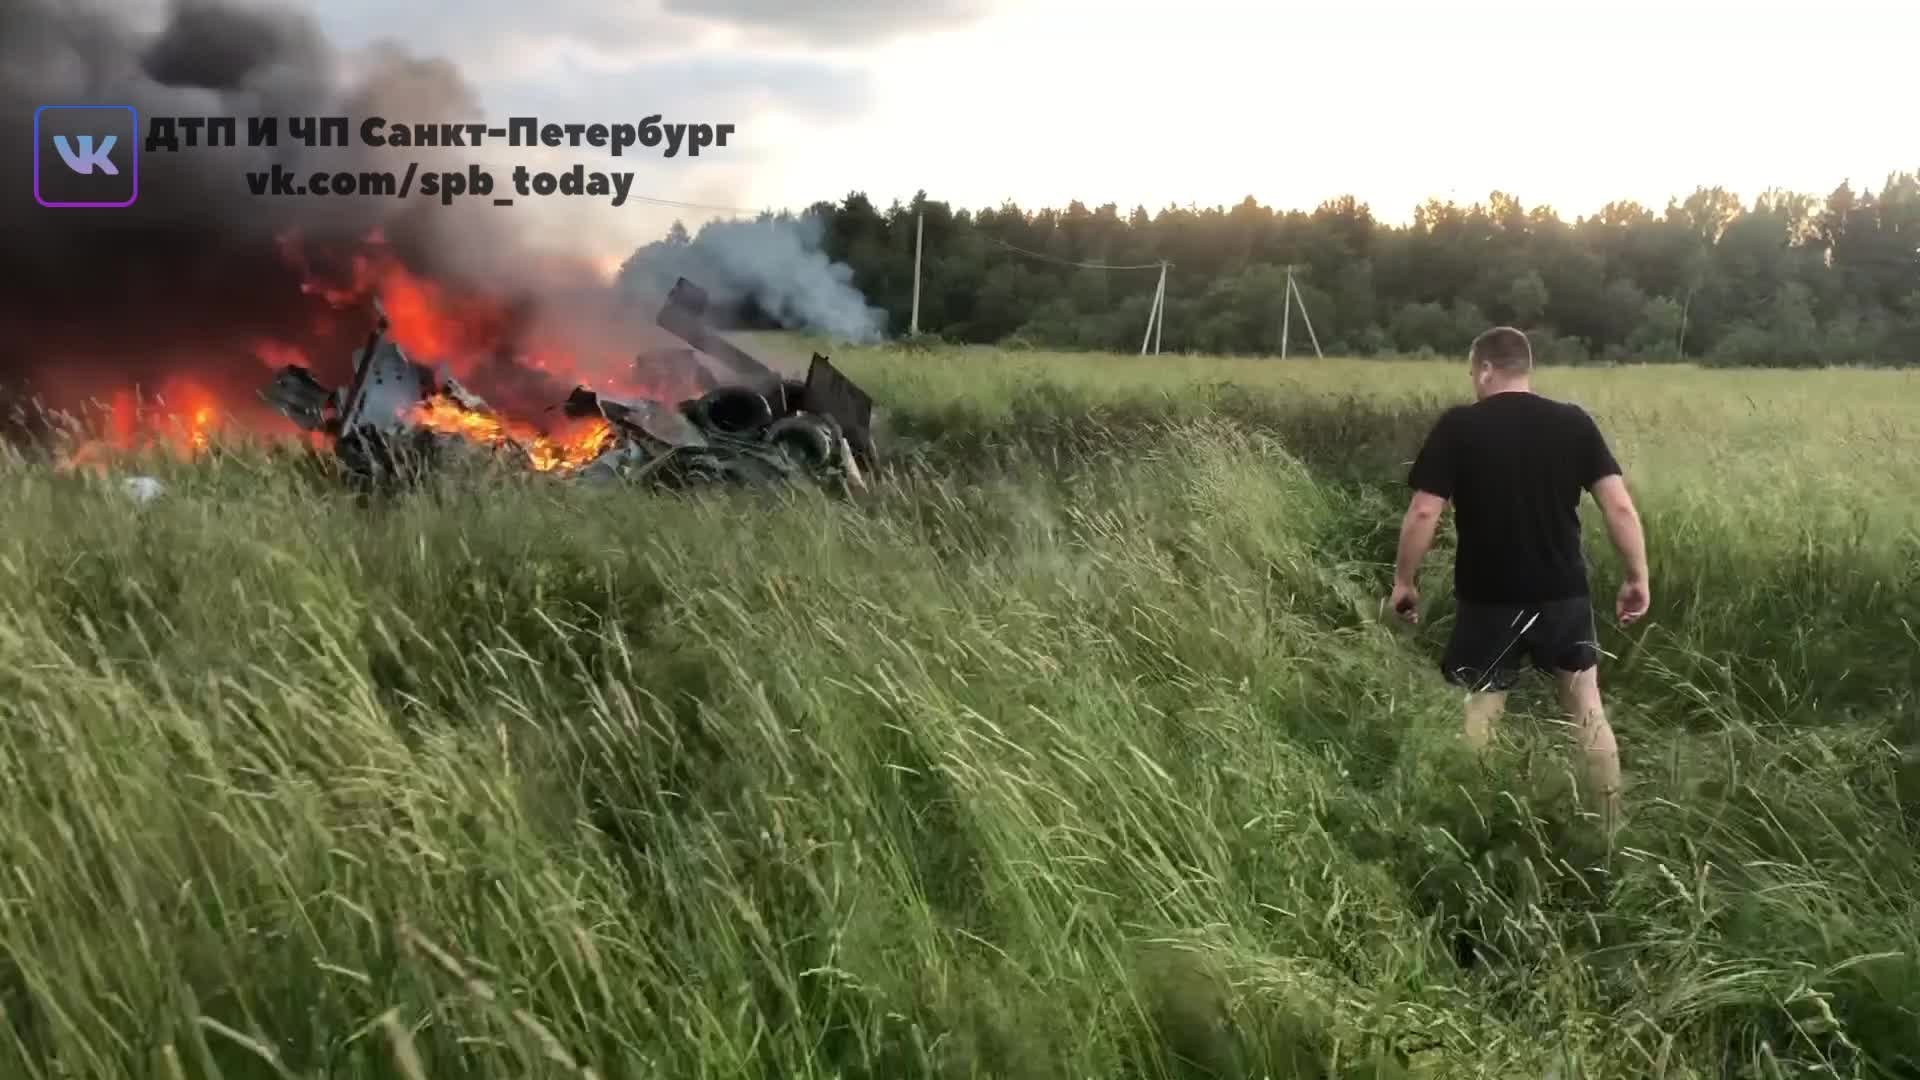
(1160, 321)
(919, 232)
(1156, 313)
(1286, 317)
(1305, 318)
(1286, 312)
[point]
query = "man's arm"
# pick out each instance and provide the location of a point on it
(1601, 474)
(1416, 537)
(1432, 479)
(1623, 528)
(1623, 524)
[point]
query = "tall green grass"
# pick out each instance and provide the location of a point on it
(1078, 748)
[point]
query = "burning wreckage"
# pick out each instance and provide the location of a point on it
(762, 428)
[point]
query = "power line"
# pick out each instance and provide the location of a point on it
(1070, 262)
(991, 239)
(1156, 312)
(700, 206)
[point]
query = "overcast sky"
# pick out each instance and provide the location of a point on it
(1567, 102)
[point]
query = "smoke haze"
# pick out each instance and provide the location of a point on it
(774, 262)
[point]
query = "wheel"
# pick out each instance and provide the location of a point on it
(807, 439)
(733, 410)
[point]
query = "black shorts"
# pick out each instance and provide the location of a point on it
(1492, 642)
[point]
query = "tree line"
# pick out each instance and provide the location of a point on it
(1788, 280)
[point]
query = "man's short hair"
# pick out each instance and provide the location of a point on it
(1503, 349)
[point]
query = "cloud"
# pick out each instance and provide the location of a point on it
(695, 89)
(835, 22)
(581, 56)
(602, 61)
(504, 38)
(596, 60)
(778, 108)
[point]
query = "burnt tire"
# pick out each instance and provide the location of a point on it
(733, 410)
(811, 441)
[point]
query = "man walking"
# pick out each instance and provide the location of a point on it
(1514, 465)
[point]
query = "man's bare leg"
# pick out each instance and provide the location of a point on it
(1482, 710)
(1593, 737)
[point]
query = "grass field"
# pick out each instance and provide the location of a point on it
(1079, 749)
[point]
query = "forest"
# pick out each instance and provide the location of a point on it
(1788, 280)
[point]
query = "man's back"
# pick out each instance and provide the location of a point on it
(1515, 466)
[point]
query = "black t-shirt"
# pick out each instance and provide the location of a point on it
(1514, 466)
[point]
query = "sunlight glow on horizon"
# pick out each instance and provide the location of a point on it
(1211, 101)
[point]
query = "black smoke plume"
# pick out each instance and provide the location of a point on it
(190, 277)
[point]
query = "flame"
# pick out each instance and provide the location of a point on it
(466, 326)
(551, 454)
(428, 322)
(470, 328)
(432, 322)
(198, 429)
(546, 453)
(278, 354)
(182, 418)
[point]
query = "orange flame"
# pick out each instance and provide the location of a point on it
(463, 327)
(278, 354)
(547, 453)
(426, 319)
(182, 418)
(436, 322)
(577, 451)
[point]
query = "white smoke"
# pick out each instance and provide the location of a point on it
(773, 262)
